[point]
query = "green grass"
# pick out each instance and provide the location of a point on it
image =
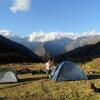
(40, 87)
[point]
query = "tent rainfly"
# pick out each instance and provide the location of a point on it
(67, 70)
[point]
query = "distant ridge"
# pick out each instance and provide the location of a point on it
(82, 54)
(12, 52)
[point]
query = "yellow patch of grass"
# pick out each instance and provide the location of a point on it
(92, 66)
(40, 87)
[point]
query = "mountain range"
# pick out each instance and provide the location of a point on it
(57, 46)
(53, 43)
(11, 51)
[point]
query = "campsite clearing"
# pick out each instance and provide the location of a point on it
(40, 87)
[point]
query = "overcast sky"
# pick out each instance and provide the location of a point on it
(26, 16)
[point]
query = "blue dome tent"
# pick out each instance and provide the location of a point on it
(68, 70)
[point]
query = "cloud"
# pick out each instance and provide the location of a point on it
(93, 32)
(42, 36)
(48, 36)
(5, 33)
(20, 5)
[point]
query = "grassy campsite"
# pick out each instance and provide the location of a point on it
(41, 87)
(49, 50)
